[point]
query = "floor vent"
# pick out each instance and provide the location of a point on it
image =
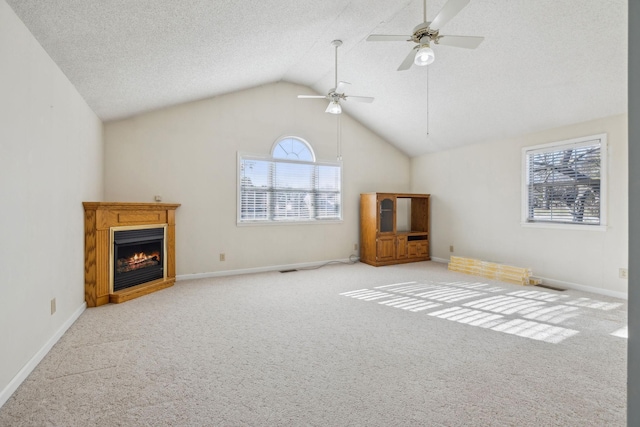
(287, 271)
(551, 287)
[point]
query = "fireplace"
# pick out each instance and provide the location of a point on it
(138, 255)
(144, 237)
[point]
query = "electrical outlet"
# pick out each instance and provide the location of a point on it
(157, 198)
(623, 273)
(53, 306)
(355, 246)
(222, 257)
(451, 248)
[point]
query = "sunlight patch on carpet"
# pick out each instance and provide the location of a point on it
(433, 292)
(533, 314)
(543, 296)
(535, 330)
(622, 332)
(599, 305)
(504, 304)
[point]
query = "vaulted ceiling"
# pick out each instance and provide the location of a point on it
(542, 64)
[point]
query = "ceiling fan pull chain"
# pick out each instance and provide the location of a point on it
(427, 102)
(339, 138)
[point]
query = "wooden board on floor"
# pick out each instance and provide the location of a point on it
(491, 270)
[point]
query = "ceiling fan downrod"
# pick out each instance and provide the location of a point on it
(337, 44)
(424, 11)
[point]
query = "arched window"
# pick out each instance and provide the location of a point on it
(289, 186)
(293, 148)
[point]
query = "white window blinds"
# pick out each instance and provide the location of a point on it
(564, 182)
(279, 190)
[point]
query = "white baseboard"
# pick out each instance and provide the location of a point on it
(258, 269)
(553, 282)
(37, 358)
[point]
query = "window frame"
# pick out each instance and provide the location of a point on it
(560, 146)
(241, 156)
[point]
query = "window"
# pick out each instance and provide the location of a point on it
(565, 182)
(294, 149)
(289, 186)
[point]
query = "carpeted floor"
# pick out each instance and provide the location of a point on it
(343, 345)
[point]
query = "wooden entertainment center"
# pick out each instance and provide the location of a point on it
(394, 228)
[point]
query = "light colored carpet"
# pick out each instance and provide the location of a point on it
(344, 345)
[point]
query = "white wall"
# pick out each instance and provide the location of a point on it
(476, 207)
(51, 159)
(187, 154)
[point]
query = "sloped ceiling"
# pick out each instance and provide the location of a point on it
(543, 63)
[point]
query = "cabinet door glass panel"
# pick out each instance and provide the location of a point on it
(386, 216)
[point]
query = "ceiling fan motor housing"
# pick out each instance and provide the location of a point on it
(422, 34)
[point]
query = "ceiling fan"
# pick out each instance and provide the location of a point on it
(427, 32)
(337, 93)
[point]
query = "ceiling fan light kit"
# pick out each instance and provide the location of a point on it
(424, 56)
(334, 108)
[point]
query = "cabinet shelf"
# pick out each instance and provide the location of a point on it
(413, 237)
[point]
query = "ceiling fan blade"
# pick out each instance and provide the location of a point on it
(448, 11)
(311, 96)
(408, 61)
(387, 38)
(367, 99)
(467, 42)
(341, 87)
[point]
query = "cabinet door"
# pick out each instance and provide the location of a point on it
(423, 248)
(412, 249)
(418, 249)
(386, 249)
(401, 247)
(386, 215)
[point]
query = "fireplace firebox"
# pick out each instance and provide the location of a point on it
(138, 256)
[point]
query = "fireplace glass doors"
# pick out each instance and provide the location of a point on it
(138, 256)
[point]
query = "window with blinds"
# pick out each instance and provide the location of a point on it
(283, 190)
(564, 182)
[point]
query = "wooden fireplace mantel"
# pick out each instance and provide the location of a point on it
(99, 217)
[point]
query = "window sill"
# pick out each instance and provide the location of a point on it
(576, 227)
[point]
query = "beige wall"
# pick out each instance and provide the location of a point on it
(188, 155)
(51, 160)
(476, 207)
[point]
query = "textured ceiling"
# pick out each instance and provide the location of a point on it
(543, 63)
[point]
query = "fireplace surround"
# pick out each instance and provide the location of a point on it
(129, 250)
